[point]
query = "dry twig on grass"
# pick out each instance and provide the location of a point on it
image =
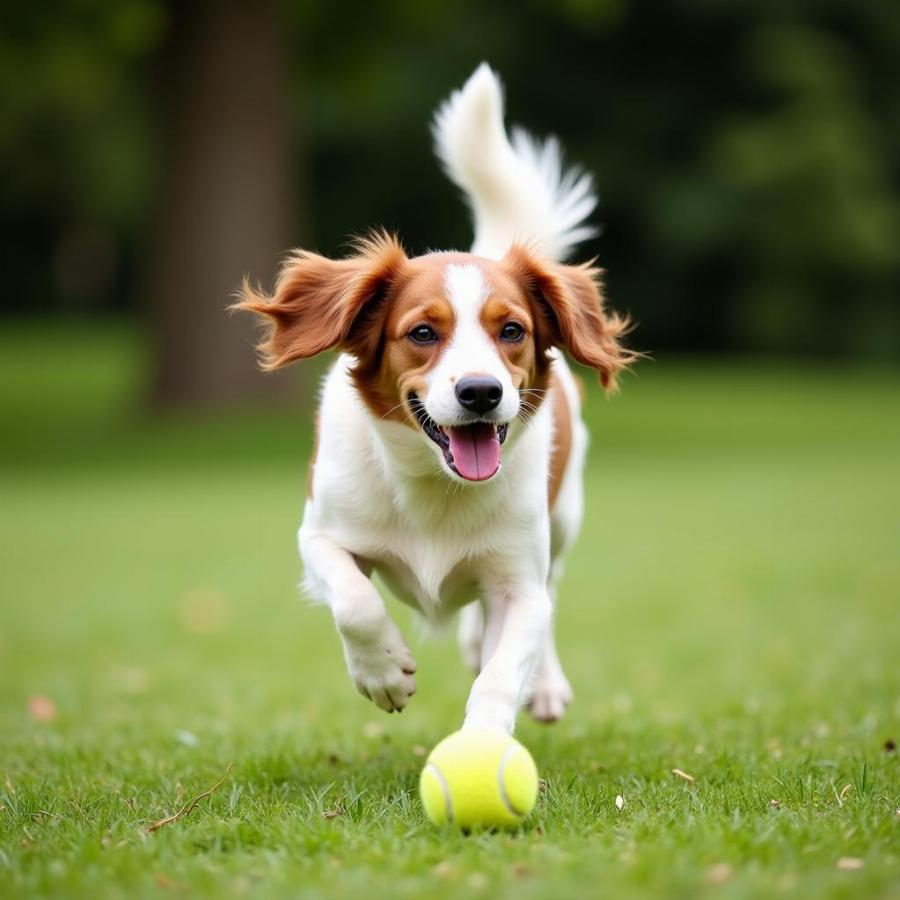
(680, 773)
(188, 807)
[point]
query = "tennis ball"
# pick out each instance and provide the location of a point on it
(479, 777)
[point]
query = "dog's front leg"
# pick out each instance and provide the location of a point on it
(378, 659)
(517, 617)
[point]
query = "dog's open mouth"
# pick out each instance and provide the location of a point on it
(472, 451)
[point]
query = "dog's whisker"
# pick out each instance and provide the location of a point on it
(393, 409)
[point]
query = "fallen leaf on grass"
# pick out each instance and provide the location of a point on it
(188, 738)
(41, 708)
(719, 873)
(680, 773)
(850, 863)
(620, 802)
(169, 884)
(330, 814)
(188, 808)
(419, 750)
(775, 804)
(443, 869)
(373, 729)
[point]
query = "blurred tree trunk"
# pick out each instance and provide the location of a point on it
(226, 202)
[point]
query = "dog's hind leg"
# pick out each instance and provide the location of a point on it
(470, 634)
(550, 691)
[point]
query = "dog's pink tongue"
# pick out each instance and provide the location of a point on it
(475, 449)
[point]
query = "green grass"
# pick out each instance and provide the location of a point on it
(732, 610)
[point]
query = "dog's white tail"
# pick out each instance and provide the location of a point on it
(517, 189)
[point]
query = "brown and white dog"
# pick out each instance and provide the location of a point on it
(450, 446)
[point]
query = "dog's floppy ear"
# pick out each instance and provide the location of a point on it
(570, 314)
(319, 303)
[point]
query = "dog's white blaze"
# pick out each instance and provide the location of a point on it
(470, 350)
(466, 288)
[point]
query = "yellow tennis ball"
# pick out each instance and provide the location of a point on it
(479, 777)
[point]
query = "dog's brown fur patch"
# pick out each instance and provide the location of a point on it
(562, 440)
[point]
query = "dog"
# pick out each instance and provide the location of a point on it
(450, 446)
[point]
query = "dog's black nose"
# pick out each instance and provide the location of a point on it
(479, 393)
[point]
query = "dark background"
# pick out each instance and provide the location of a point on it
(746, 154)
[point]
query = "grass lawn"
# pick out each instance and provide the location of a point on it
(732, 610)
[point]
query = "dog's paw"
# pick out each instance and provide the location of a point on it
(381, 667)
(549, 698)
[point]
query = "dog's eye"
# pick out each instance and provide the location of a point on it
(512, 332)
(423, 334)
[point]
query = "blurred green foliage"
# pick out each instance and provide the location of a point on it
(746, 153)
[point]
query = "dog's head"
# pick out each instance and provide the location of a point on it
(449, 344)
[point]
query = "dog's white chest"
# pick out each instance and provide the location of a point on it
(434, 585)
